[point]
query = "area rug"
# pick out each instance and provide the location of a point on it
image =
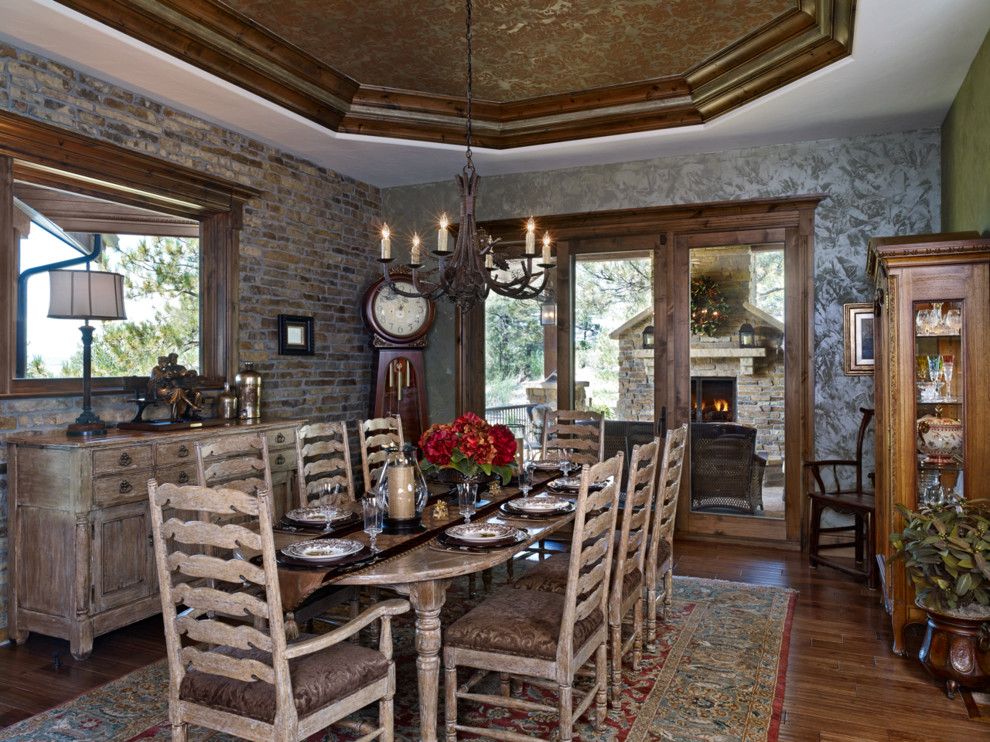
(717, 673)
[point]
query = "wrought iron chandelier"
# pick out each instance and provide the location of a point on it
(467, 274)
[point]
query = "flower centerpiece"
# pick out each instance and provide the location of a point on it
(469, 445)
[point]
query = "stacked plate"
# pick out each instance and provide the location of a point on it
(538, 506)
(572, 485)
(318, 518)
(545, 465)
(482, 535)
(323, 550)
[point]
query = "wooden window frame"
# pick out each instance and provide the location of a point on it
(54, 157)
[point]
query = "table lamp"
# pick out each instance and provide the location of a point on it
(86, 295)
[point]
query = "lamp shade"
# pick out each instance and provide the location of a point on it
(86, 295)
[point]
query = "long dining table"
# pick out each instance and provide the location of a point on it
(413, 565)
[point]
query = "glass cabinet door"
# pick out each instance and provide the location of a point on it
(940, 381)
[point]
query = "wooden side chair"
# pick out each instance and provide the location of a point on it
(245, 680)
(237, 462)
(323, 459)
(845, 493)
(580, 432)
(660, 553)
(544, 636)
(376, 436)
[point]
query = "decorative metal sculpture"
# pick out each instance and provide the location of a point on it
(174, 385)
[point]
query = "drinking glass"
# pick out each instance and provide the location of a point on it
(935, 322)
(467, 495)
(921, 368)
(948, 366)
(953, 320)
(329, 498)
(934, 367)
(526, 479)
(373, 516)
(565, 462)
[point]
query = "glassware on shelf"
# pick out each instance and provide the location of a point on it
(928, 391)
(921, 368)
(948, 366)
(934, 367)
(953, 321)
(921, 322)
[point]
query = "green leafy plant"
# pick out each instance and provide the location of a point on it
(946, 549)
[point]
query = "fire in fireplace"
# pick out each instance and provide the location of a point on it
(713, 399)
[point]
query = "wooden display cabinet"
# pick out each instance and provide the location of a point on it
(932, 335)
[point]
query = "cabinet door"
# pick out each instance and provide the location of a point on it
(123, 570)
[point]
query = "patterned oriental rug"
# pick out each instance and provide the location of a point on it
(717, 674)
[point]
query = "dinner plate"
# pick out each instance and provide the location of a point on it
(572, 484)
(540, 504)
(481, 533)
(322, 549)
(546, 465)
(318, 515)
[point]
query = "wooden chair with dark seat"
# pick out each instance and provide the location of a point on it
(581, 433)
(845, 493)
(245, 680)
(660, 553)
(540, 637)
(237, 462)
(376, 437)
(323, 460)
(628, 562)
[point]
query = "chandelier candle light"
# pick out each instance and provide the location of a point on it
(473, 269)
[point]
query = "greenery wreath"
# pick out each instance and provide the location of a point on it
(708, 307)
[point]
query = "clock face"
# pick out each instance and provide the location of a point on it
(397, 315)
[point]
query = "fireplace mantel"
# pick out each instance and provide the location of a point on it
(745, 355)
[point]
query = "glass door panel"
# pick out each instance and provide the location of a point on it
(737, 381)
(613, 347)
(940, 380)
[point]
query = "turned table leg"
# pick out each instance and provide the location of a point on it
(427, 599)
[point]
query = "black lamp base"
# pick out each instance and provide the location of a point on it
(87, 429)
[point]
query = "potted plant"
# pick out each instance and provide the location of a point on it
(946, 550)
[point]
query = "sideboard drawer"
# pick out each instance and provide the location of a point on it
(283, 460)
(183, 474)
(167, 454)
(116, 460)
(132, 485)
(281, 438)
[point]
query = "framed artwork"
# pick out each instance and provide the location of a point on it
(858, 339)
(295, 335)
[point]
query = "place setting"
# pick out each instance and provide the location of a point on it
(317, 519)
(480, 537)
(538, 507)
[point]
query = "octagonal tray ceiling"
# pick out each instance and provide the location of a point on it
(545, 70)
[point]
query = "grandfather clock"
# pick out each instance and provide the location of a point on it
(399, 325)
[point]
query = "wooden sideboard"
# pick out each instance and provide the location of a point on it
(81, 561)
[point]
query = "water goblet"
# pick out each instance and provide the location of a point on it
(526, 479)
(921, 368)
(935, 322)
(467, 493)
(934, 367)
(373, 517)
(953, 320)
(948, 367)
(565, 462)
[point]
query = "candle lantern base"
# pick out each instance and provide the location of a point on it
(401, 526)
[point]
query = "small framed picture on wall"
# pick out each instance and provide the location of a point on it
(858, 338)
(295, 335)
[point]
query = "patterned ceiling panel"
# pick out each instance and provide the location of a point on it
(523, 48)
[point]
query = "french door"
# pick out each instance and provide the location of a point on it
(708, 329)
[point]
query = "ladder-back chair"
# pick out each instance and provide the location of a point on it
(660, 554)
(545, 637)
(324, 459)
(581, 433)
(243, 679)
(376, 436)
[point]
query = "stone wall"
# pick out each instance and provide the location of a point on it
(305, 247)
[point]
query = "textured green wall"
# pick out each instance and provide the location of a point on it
(966, 151)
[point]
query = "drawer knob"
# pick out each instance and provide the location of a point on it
(125, 459)
(183, 477)
(280, 438)
(183, 451)
(280, 459)
(125, 487)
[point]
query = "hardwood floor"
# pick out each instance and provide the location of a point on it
(843, 684)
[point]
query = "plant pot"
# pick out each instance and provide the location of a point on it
(956, 649)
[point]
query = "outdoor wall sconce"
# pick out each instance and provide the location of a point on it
(747, 336)
(649, 337)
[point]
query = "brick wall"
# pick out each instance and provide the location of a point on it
(305, 247)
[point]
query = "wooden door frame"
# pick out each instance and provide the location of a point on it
(752, 221)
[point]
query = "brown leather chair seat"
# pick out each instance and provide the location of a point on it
(318, 680)
(518, 622)
(551, 575)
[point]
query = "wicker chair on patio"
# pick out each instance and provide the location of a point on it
(726, 472)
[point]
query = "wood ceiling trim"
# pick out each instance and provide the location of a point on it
(48, 155)
(231, 46)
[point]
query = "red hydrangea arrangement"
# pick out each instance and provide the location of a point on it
(471, 446)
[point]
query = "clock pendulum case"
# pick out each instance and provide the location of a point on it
(399, 326)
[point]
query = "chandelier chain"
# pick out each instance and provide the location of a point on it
(470, 80)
